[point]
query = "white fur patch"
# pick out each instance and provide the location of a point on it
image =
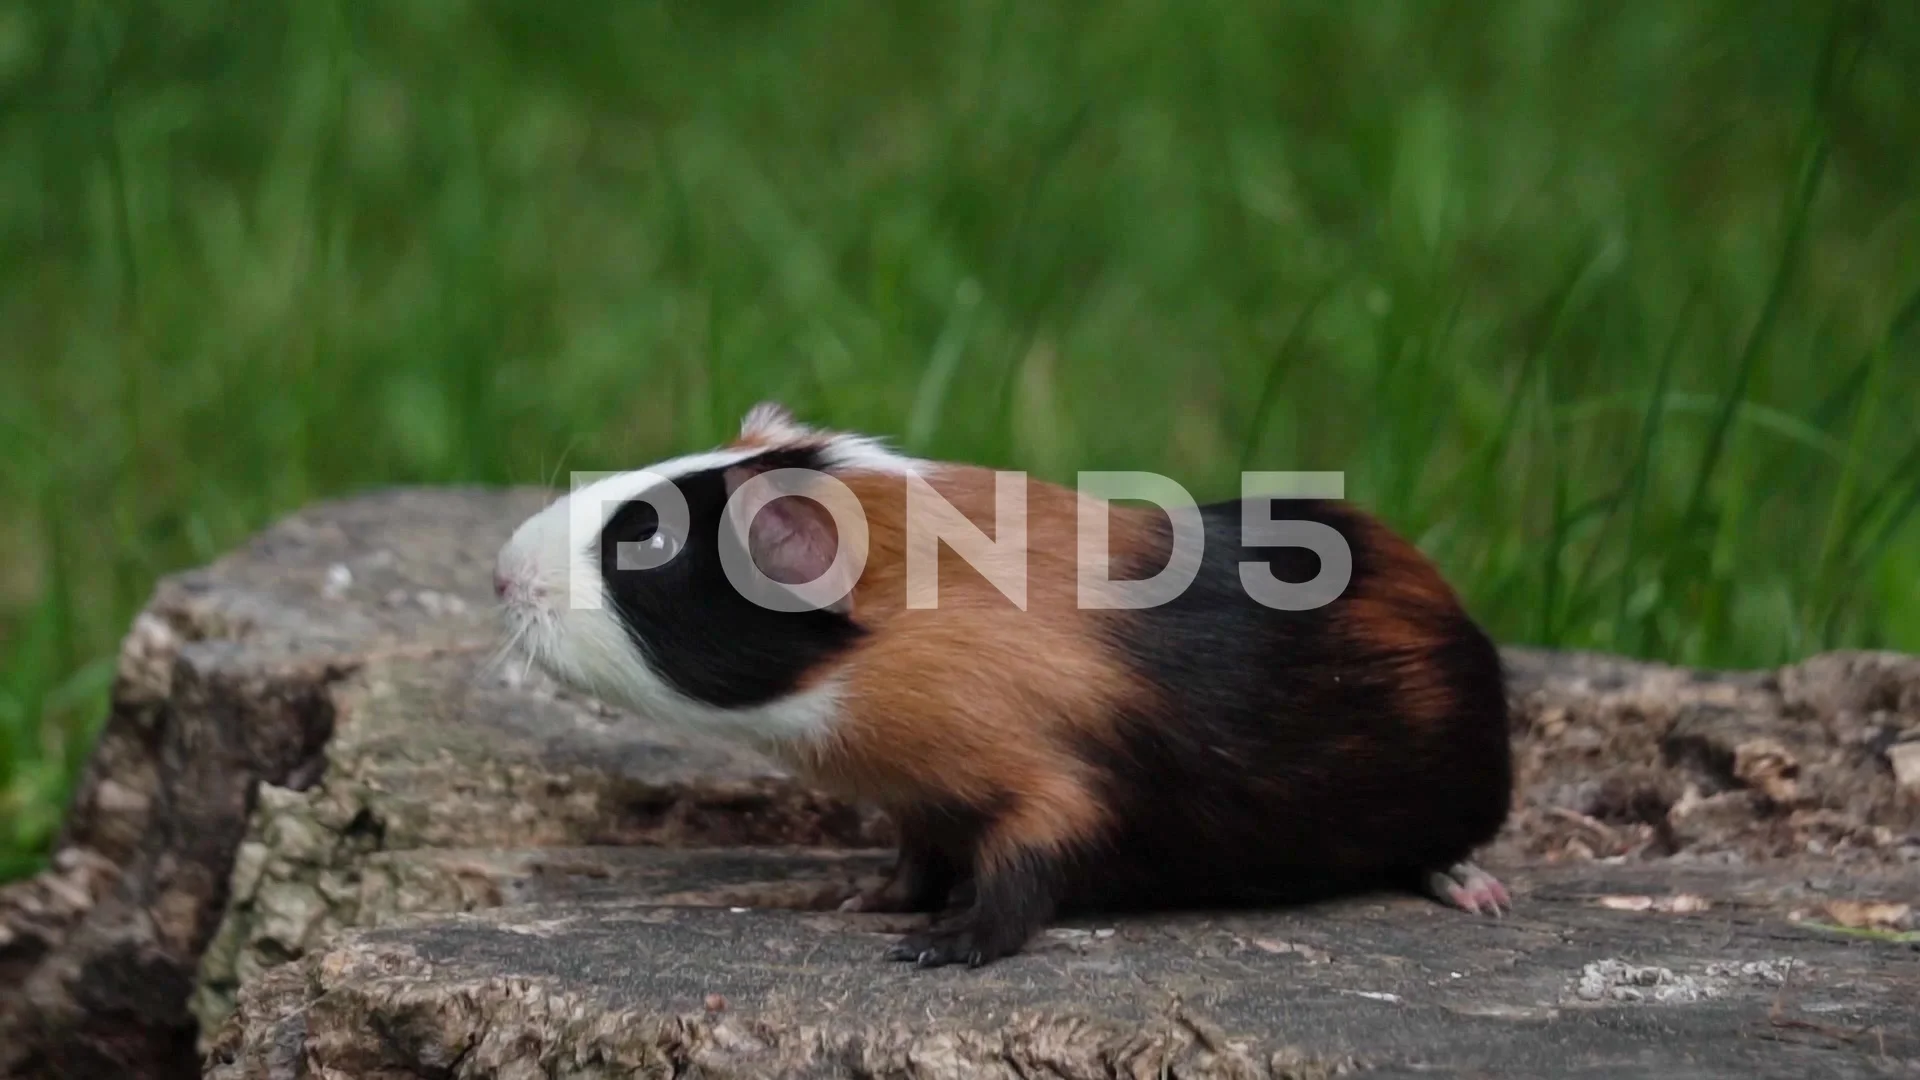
(863, 453)
(771, 422)
(772, 425)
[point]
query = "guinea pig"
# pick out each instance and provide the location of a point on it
(960, 647)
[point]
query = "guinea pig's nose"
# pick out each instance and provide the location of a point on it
(500, 584)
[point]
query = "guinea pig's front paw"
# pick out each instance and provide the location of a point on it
(894, 896)
(887, 897)
(957, 942)
(899, 894)
(1471, 889)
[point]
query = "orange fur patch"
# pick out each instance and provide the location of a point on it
(1403, 612)
(974, 700)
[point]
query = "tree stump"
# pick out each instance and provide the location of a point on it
(327, 831)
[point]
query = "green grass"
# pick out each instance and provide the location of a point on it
(1614, 308)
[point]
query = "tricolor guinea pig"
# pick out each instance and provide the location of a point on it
(983, 655)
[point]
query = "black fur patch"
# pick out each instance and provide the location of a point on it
(697, 631)
(1009, 905)
(937, 848)
(1275, 763)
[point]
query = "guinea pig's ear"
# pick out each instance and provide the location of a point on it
(792, 539)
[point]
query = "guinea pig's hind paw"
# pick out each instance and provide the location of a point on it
(1470, 889)
(885, 899)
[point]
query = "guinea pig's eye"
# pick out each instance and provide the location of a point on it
(646, 554)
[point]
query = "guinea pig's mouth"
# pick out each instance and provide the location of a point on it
(526, 642)
(529, 621)
(545, 624)
(566, 647)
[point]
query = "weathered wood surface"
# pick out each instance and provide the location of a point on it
(312, 735)
(641, 986)
(325, 695)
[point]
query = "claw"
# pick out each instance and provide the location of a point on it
(941, 947)
(1470, 889)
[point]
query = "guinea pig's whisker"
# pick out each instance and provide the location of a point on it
(498, 661)
(493, 658)
(527, 656)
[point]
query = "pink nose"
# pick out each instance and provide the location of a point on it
(500, 584)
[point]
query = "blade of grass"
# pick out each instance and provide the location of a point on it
(1579, 599)
(1795, 433)
(1418, 437)
(76, 707)
(1874, 933)
(45, 648)
(1644, 455)
(1903, 323)
(1573, 286)
(1045, 162)
(1900, 476)
(133, 344)
(1865, 420)
(1607, 506)
(15, 866)
(930, 399)
(1893, 501)
(1907, 476)
(1829, 414)
(1557, 536)
(1798, 209)
(1783, 275)
(1277, 369)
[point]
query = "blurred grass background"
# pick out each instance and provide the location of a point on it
(1613, 307)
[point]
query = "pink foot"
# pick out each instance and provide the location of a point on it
(1470, 889)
